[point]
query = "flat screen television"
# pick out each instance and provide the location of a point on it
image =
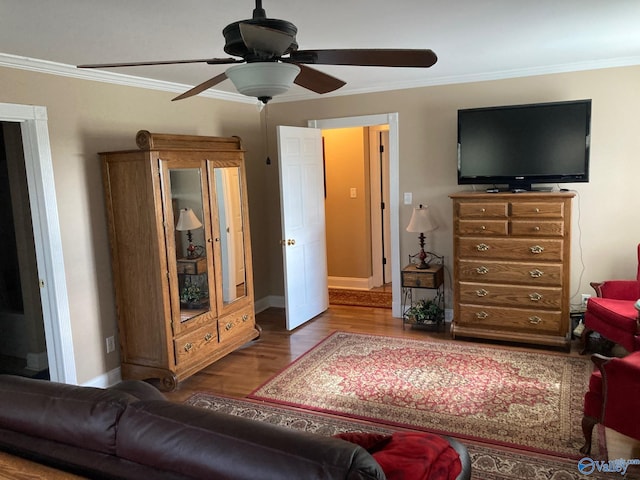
(522, 145)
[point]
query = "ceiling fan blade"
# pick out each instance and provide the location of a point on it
(367, 57)
(317, 81)
(202, 87)
(210, 61)
(267, 40)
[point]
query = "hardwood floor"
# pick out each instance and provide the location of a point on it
(244, 370)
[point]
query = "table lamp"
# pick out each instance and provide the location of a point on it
(421, 222)
(188, 221)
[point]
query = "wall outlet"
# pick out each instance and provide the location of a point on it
(585, 297)
(111, 344)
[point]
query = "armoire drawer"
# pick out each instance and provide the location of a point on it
(234, 323)
(511, 319)
(197, 344)
(525, 249)
(549, 298)
(522, 273)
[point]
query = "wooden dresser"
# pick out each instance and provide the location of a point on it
(512, 266)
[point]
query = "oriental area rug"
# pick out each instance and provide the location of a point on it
(488, 462)
(506, 397)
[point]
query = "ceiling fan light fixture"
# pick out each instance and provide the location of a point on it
(263, 80)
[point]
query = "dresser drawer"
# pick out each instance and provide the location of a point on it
(483, 209)
(511, 248)
(537, 209)
(534, 228)
(522, 273)
(235, 323)
(510, 319)
(196, 345)
(549, 298)
(483, 227)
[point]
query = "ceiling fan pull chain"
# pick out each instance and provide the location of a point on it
(266, 130)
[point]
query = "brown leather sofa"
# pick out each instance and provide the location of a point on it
(130, 431)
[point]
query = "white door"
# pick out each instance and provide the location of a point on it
(303, 224)
(380, 205)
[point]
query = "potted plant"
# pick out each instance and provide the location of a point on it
(190, 295)
(425, 311)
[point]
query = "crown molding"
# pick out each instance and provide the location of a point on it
(54, 68)
(480, 77)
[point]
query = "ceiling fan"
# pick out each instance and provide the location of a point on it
(271, 62)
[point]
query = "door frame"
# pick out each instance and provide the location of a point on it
(390, 119)
(48, 241)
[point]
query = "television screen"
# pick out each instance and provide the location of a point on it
(520, 145)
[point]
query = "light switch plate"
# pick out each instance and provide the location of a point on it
(408, 198)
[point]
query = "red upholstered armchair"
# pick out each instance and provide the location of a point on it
(612, 399)
(612, 313)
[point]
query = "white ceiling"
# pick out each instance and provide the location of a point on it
(474, 39)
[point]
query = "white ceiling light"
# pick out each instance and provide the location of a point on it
(263, 80)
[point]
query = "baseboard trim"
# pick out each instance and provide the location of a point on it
(37, 362)
(105, 380)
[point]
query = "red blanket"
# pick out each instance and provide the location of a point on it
(410, 455)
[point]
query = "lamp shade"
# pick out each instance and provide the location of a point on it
(187, 220)
(263, 79)
(421, 221)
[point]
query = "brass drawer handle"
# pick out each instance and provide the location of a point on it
(536, 229)
(482, 292)
(537, 210)
(483, 227)
(188, 346)
(228, 326)
(245, 317)
(535, 249)
(535, 320)
(482, 270)
(482, 247)
(535, 297)
(536, 273)
(208, 337)
(481, 315)
(483, 210)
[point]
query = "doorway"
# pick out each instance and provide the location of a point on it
(356, 164)
(22, 343)
(51, 280)
(390, 120)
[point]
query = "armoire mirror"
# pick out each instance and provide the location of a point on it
(191, 256)
(230, 215)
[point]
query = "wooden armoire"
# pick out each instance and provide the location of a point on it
(181, 253)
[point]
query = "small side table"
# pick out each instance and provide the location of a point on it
(431, 278)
